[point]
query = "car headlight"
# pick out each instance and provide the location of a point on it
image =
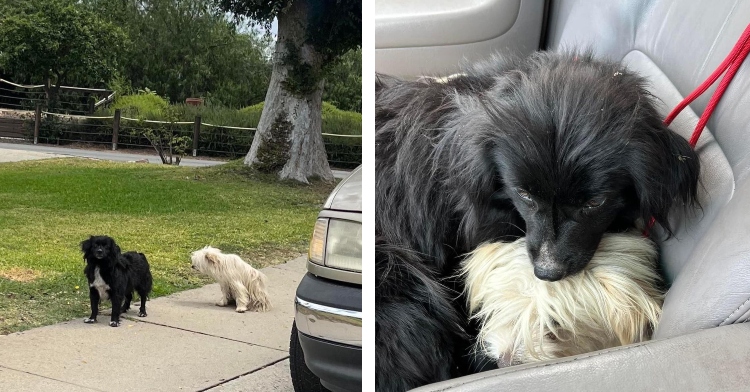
(337, 243)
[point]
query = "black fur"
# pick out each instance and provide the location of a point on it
(560, 148)
(122, 272)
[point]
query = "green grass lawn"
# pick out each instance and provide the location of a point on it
(48, 207)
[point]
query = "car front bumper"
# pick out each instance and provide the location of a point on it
(328, 315)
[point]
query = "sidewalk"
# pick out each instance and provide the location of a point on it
(9, 149)
(185, 344)
(12, 152)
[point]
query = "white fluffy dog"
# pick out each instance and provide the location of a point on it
(238, 280)
(615, 301)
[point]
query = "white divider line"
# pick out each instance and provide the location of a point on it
(21, 85)
(158, 122)
(339, 135)
(226, 126)
(62, 87)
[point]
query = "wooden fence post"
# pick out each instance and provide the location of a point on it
(115, 129)
(37, 122)
(196, 134)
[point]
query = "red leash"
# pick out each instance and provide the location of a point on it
(730, 65)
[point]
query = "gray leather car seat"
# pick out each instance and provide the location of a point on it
(676, 45)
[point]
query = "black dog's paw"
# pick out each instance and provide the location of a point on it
(114, 323)
(89, 320)
(142, 314)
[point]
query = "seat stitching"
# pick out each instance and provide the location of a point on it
(736, 310)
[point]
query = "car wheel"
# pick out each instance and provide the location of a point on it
(303, 379)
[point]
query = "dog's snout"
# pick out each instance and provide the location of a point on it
(546, 265)
(550, 275)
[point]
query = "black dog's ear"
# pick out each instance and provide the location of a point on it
(86, 246)
(113, 245)
(664, 169)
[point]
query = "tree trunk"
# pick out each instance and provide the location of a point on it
(51, 92)
(288, 140)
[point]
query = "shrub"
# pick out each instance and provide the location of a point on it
(343, 152)
(217, 115)
(335, 120)
(252, 113)
(144, 105)
(166, 139)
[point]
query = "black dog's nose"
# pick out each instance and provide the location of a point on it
(549, 274)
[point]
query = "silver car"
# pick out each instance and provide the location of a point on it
(325, 350)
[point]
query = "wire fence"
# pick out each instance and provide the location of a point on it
(205, 139)
(68, 100)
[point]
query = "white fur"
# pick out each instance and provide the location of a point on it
(101, 286)
(614, 301)
(238, 280)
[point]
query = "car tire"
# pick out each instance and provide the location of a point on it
(303, 379)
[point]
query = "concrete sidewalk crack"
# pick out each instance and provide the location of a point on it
(53, 379)
(242, 375)
(200, 333)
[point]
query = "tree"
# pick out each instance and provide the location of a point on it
(344, 82)
(57, 42)
(189, 48)
(311, 35)
(168, 143)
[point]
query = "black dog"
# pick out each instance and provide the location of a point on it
(114, 275)
(560, 148)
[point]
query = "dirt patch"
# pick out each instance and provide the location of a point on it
(269, 257)
(264, 256)
(17, 274)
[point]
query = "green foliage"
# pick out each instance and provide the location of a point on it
(120, 85)
(52, 128)
(143, 105)
(165, 138)
(343, 152)
(335, 120)
(217, 115)
(333, 26)
(60, 42)
(260, 13)
(343, 86)
(188, 48)
(253, 111)
(340, 122)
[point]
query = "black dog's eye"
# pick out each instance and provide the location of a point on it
(595, 202)
(524, 194)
